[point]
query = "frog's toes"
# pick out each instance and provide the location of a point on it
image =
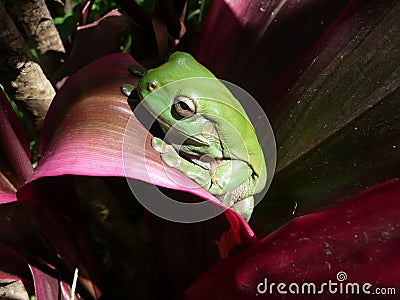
(158, 144)
(136, 70)
(244, 207)
(127, 89)
(168, 153)
(171, 158)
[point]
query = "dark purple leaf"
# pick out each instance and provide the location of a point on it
(172, 13)
(14, 160)
(183, 251)
(135, 11)
(159, 30)
(35, 281)
(360, 237)
(337, 128)
(16, 124)
(251, 43)
(19, 232)
(144, 44)
(54, 207)
(14, 266)
(85, 11)
(46, 286)
(93, 41)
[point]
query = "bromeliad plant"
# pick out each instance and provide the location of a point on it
(327, 75)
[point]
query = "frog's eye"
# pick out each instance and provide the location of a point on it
(183, 107)
(152, 86)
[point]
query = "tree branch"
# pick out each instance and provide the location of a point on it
(38, 25)
(20, 74)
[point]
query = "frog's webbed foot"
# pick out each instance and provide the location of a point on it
(130, 91)
(168, 153)
(171, 157)
(159, 145)
(127, 89)
(243, 207)
(228, 175)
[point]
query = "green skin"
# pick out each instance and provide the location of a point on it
(210, 138)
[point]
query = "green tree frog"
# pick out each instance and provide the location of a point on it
(209, 137)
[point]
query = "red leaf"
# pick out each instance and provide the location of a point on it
(360, 237)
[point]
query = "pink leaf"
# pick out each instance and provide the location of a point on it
(6, 197)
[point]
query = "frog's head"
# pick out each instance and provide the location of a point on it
(180, 65)
(169, 94)
(191, 105)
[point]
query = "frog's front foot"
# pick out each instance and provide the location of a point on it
(137, 70)
(130, 91)
(127, 89)
(168, 153)
(244, 207)
(158, 144)
(171, 157)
